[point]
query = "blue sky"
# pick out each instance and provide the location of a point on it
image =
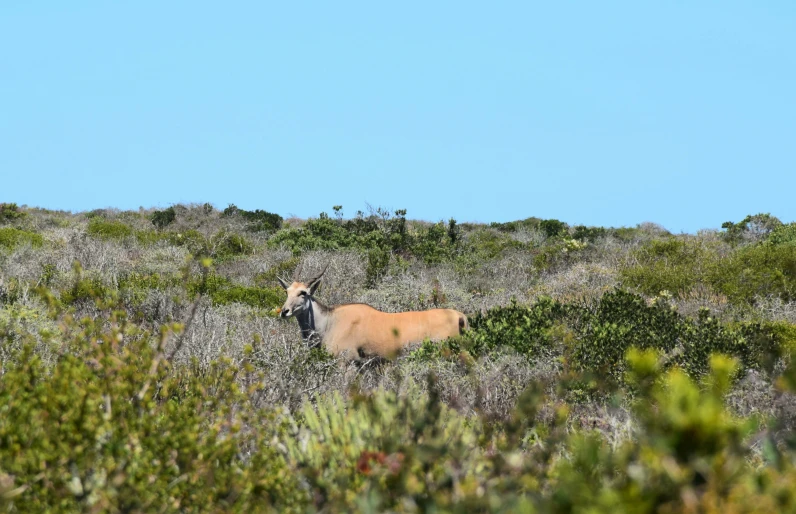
(603, 113)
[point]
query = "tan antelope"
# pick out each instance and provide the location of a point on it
(357, 330)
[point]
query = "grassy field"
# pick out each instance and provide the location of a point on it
(144, 368)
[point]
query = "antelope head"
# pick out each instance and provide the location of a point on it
(299, 294)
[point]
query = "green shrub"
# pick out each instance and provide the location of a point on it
(783, 235)
(591, 234)
(378, 263)
(282, 269)
(225, 245)
(10, 212)
(515, 226)
(11, 238)
(622, 321)
(432, 244)
(756, 271)
(111, 427)
(752, 228)
(674, 265)
(553, 228)
(108, 230)
(223, 291)
(85, 289)
(164, 218)
(258, 220)
(193, 241)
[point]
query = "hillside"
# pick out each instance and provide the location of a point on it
(144, 366)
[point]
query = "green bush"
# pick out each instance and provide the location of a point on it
(108, 230)
(222, 291)
(595, 339)
(10, 212)
(226, 245)
(164, 218)
(671, 264)
(111, 427)
(590, 234)
(515, 226)
(752, 228)
(259, 220)
(11, 238)
(757, 271)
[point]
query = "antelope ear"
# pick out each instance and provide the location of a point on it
(282, 282)
(314, 285)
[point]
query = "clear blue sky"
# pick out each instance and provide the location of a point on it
(603, 113)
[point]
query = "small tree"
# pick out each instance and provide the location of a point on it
(161, 219)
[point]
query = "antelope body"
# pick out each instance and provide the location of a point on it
(359, 330)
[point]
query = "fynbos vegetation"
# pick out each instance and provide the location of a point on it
(143, 366)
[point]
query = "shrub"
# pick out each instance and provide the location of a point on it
(751, 228)
(11, 238)
(226, 245)
(162, 219)
(756, 271)
(591, 234)
(378, 262)
(674, 265)
(10, 212)
(108, 230)
(259, 220)
(553, 228)
(515, 226)
(110, 427)
(222, 291)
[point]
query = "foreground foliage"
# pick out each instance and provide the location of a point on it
(635, 371)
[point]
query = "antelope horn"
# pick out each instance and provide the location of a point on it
(319, 275)
(285, 282)
(297, 272)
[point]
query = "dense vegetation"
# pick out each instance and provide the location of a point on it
(142, 367)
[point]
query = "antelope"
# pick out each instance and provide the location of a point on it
(357, 330)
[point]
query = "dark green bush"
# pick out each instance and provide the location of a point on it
(590, 234)
(164, 218)
(10, 212)
(553, 228)
(259, 220)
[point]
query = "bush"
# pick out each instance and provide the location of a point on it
(111, 427)
(259, 220)
(752, 228)
(11, 238)
(108, 230)
(222, 291)
(10, 212)
(758, 271)
(591, 234)
(674, 265)
(164, 218)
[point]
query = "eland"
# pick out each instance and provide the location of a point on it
(357, 330)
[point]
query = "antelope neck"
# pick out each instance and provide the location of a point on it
(312, 322)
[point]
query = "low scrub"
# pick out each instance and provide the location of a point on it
(11, 238)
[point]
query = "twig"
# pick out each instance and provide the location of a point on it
(160, 356)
